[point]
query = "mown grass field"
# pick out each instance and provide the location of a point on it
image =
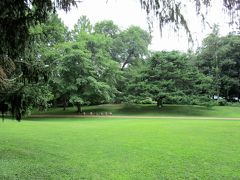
(117, 148)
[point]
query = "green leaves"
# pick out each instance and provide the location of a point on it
(168, 76)
(131, 45)
(219, 59)
(85, 69)
(107, 28)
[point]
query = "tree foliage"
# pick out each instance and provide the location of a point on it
(28, 84)
(17, 16)
(219, 59)
(169, 77)
(86, 74)
(130, 45)
(33, 43)
(107, 28)
(172, 12)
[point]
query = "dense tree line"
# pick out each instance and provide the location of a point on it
(26, 59)
(42, 61)
(219, 58)
(89, 66)
(17, 16)
(101, 63)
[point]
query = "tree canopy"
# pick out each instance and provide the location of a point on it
(169, 77)
(17, 16)
(219, 59)
(172, 11)
(40, 57)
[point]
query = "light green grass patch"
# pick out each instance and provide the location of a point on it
(98, 148)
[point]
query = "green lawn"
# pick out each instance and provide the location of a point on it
(152, 110)
(97, 148)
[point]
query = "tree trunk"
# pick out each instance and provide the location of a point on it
(54, 103)
(228, 98)
(79, 108)
(2, 116)
(124, 64)
(160, 102)
(18, 115)
(64, 103)
(127, 60)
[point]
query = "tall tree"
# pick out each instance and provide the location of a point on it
(32, 69)
(130, 45)
(210, 60)
(17, 16)
(86, 73)
(82, 26)
(168, 76)
(107, 27)
(219, 58)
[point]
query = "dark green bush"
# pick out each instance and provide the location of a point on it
(222, 102)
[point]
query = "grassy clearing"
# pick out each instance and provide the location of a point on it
(96, 148)
(152, 110)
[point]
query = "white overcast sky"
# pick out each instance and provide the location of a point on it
(128, 12)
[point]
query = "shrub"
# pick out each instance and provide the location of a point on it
(222, 102)
(148, 100)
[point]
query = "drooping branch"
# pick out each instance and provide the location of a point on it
(16, 17)
(172, 12)
(6, 68)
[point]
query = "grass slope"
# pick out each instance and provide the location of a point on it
(96, 148)
(152, 110)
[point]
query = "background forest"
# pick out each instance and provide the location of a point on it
(101, 63)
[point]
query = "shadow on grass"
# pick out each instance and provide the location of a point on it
(135, 110)
(167, 110)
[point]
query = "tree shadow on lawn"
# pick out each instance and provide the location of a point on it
(167, 110)
(135, 110)
(150, 110)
